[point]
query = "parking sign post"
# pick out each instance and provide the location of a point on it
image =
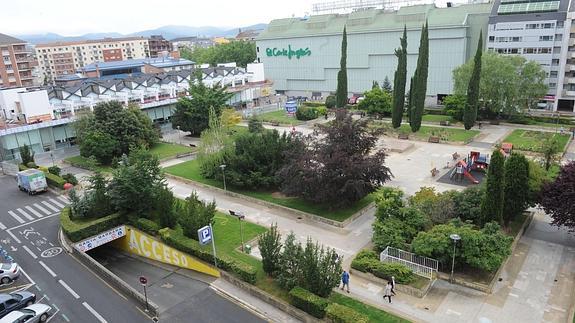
(144, 282)
(205, 235)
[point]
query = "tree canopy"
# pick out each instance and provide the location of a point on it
(508, 83)
(376, 101)
(419, 81)
(558, 196)
(472, 104)
(240, 52)
(399, 81)
(341, 92)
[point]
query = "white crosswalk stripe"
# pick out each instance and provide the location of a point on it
(2, 226)
(64, 199)
(60, 205)
(15, 216)
(50, 206)
(26, 215)
(36, 213)
(41, 208)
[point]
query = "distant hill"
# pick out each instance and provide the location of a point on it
(169, 32)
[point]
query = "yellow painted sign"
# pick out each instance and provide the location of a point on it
(141, 244)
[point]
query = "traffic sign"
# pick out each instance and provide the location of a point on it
(205, 235)
(143, 280)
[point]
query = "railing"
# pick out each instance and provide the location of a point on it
(421, 266)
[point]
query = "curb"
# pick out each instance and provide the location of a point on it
(240, 302)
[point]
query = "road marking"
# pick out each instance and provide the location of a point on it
(13, 236)
(60, 205)
(28, 276)
(15, 216)
(64, 199)
(41, 208)
(69, 289)
(96, 314)
(50, 206)
(30, 252)
(50, 271)
(36, 213)
(38, 288)
(53, 314)
(26, 224)
(65, 317)
(2, 226)
(26, 215)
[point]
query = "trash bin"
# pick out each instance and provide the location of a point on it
(248, 249)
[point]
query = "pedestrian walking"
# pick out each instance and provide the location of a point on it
(387, 292)
(345, 280)
(393, 285)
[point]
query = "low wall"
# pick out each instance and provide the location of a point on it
(272, 300)
(292, 212)
(110, 277)
(406, 289)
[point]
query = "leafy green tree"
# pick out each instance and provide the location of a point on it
(538, 177)
(439, 207)
(376, 102)
(399, 81)
(341, 93)
(337, 165)
(242, 53)
(508, 83)
(468, 203)
(492, 204)
(454, 106)
(101, 145)
(101, 202)
(419, 91)
(192, 114)
(215, 145)
(195, 214)
(290, 269)
(26, 154)
(165, 207)
(255, 125)
(270, 248)
(229, 118)
(386, 86)
(135, 183)
(472, 104)
(516, 184)
(551, 148)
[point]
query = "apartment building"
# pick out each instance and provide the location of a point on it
(158, 45)
(17, 66)
(192, 42)
(542, 31)
(64, 58)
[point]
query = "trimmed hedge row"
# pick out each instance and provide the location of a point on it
(146, 225)
(80, 229)
(313, 104)
(337, 313)
(367, 261)
(177, 240)
(308, 302)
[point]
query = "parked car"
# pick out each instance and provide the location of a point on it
(9, 273)
(31, 314)
(354, 99)
(15, 301)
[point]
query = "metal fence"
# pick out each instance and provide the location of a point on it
(422, 266)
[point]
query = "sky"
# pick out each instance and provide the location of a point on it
(73, 17)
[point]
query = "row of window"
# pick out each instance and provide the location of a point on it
(549, 25)
(529, 50)
(516, 39)
(88, 47)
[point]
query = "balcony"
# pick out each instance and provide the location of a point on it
(571, 41)
(570, 80)
(570, 67)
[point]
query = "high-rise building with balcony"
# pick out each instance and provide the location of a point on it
(158, 45)
(17, 65)
(542, 31)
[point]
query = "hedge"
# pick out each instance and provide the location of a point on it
(440, 112)
(80, 229)
(146, 225)
(313, 104)
(337, 313)
(367, 261)
(308, 302)
(177, 240)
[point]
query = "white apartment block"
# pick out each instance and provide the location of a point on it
(65, 58)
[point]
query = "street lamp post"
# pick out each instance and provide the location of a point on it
(52, 156)
(179, 135)
(240, 218)
(223, 167)
(454, 237)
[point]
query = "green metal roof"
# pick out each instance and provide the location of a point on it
(373, 20)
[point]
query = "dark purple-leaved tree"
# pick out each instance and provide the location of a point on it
(337, 165)
(558, 197)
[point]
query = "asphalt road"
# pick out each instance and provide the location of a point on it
(28, 231)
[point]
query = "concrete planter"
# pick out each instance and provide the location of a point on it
(406, 289)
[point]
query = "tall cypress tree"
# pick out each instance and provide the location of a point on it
(341, 93)
(516, 182)
(399, 81)
(472, 104)
(420, 81)
(409, 98)
(492, 203)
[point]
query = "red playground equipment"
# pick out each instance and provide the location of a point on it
(475, 161)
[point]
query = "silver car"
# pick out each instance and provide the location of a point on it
(31, 314)
(9, 272)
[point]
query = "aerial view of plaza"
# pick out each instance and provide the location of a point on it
(345, 161)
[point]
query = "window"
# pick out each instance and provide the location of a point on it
(560, 24)
(544, 50)
(529, 50)
(553, 74)
(548, 25)
(545, 38)
(515, 39)
(531, 26)
(552, 85)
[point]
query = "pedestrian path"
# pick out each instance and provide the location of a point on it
(43, 207)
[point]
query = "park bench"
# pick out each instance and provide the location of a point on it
(434, 139)
(275, 124)
(444, 123)
(237, 214)
(403, 136)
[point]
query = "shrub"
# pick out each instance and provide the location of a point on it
(270, 249)
(22, 167)
(330, 102)
(337, 313)
(146, 225)
(313, 104)
(80, 229)
(43, 168)
(55, 181)
(195, 214)
(308, 302)
(54, 170)
(305, 113)
(31, 165)
(26, 154)
(368, 261)
(70, 178)
(321, 111)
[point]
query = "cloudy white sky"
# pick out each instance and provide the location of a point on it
(73, 17)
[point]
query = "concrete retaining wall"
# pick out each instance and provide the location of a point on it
(292, 212)
(406, 289)
(110, 277)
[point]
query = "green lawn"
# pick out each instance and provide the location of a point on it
(166, 150)
(374, 314)
(530, 140)
(82, 162)
(227, 235)
(279, 116)
(446, 133)
(437, 118)
(191, 170)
